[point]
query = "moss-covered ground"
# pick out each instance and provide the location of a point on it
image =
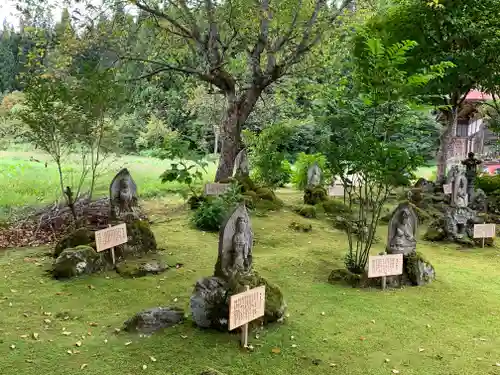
(449, 327)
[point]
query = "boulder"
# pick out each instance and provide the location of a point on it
(417, 270)
(306, 211)
(77, 261)
(300, 227)
(152, 320)
(335, 206)
(436, 230)
(141, 241)
(141, 267)
(210, 300)
(81, 236)
(479, 201)
(315, 195)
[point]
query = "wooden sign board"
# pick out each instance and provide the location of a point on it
(385, 265)
(247, 306)
(336, 191)
(484, 230)
(216, 189)
(447, 188)
(111, 237)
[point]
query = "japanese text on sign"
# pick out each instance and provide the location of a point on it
(385, 265)
(336, 191)
(447, 188)
(484, 230)
(246, 306)
(216, 189)
(111, 237)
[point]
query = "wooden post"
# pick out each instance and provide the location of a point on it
(384, 278)
(483, 242)
(244, 329)
(112, 251)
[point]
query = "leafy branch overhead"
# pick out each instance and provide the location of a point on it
(230, 43)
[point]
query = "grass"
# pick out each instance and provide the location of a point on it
(456, 319)
(29, 183)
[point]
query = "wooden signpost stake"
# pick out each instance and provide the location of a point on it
(245, 307)
(110, 237)
(384, 265)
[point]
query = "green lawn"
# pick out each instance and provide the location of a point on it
(455, 320)
(28, 183)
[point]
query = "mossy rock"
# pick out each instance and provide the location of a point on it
(141, 241)
(275, 304)
(315, 195)
(306, 211)
(210, 300)
(264, 205)
(141, 267)
(210, 371)
(77, 261)
(344, 276)
(250, 198)
(81, 236)
(418, 270)
(266, 194)
(335, 206)
(300, 227)
(436, 230)
(246, 183)
(422, 215)
(195, 201)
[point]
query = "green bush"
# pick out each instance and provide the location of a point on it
(488, 183)
(336, 206)
(211, 213)
(304, 161)
(267, 155)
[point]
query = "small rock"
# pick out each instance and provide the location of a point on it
(78, 343)
(154, 319)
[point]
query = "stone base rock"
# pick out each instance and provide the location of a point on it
(210, 300)
(306, 210)
(141, 267)
(152, 320)
(315, 195)
(81, 236)
(417, 271)
(300, 227)
(80, 260)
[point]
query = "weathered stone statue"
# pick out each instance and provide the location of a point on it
(452, 173)
(314, 175)
(235, 245)
(233, 272)
(471, 164)
(402, 231)
(460, 197)
(122, 194)
(241, 164)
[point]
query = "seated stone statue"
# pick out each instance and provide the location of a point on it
(123, 194)
(402, 230)
(314, 176)
(235, 245)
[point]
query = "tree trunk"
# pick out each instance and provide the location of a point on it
(238, 111)
(449, 121)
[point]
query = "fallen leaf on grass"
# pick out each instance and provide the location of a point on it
(69, 352)
(35, 335)
(184, 337)
(153, 359)
(29, 361)
(276, 350)
(78, 343)
(12, 346)
(105, 341)
(24, 336)
(497, 364)
(91, 286)
(144, 367)
(13, 291)
(93, 324)
(421, 350)
(47, 313)
(387, 360)
(128, 343)
(373, 321)
(362, 338)
(83, 366)
(66, 333)
(47, 321)
(333, 364)
(395, 371)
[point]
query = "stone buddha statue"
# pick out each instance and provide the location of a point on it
(239, 246)
(402, 231)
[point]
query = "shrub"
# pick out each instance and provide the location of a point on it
(267, 155)
(304, 161)
(488, 183)
(306, 211)
(210, 215)
(335, 206)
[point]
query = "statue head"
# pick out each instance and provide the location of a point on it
(405, 216)
(241, 223)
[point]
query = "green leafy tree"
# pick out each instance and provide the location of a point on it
(240, 48)
(371, 134)
(462, 32)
